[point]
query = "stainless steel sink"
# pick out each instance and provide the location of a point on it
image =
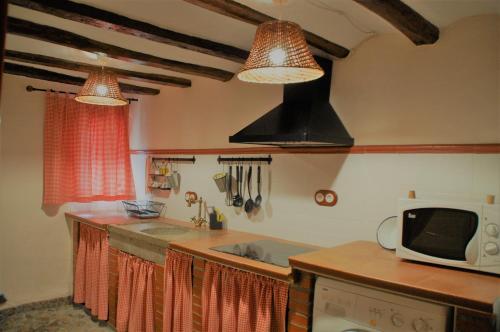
(149, 240)
(160, 229)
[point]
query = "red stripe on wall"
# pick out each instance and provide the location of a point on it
(436, 148)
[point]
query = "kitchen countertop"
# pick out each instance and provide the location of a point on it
(105, 219)
(367, 263)
(102, 219)
(199, 247)
(175, 231)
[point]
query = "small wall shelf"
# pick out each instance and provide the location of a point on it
(162, 189)
(162, 173)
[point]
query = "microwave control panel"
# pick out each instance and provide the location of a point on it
(490, 237)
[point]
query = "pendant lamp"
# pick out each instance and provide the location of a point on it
(101, 88)
(280, 55)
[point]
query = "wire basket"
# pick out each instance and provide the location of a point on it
(143, 209)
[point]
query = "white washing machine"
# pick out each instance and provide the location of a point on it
(344, 307)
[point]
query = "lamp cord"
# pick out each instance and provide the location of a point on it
(320, 4)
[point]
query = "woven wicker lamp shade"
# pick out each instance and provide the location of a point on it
(280, 55)
(101, 88)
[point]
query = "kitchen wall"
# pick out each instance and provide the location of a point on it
(368, 188)
(34, 246)
(387, 92)
(448, 91)
(391, 92)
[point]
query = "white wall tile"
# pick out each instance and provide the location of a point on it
(368, 187)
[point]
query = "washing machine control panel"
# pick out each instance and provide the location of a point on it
(339, 304)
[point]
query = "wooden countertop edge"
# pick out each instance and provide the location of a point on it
(126, 220)
(86, 221)
(178, 246)
(392, 286)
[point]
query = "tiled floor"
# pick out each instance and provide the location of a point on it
(65, 317)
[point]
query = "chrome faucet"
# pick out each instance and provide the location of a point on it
(192, 198)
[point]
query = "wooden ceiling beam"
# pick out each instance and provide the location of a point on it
(405, 19)
(47, 75)
(246, 14)
(108, 20)
(44, 60)
(50, 34)
(3, 32)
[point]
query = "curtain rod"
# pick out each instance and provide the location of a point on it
(30, 88)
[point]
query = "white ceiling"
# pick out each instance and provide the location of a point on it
(341, 21)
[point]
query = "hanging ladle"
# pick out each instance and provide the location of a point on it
(249, 202)
(258, 199)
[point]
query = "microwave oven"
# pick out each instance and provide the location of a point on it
(451, 233)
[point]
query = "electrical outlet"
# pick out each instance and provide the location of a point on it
(325, 197)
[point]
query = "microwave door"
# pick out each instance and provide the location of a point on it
(442, 233)
(472, 251)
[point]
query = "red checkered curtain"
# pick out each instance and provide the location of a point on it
(237, 301)
(135, 308)
(178, 300)
(91, 271)
(86, 152)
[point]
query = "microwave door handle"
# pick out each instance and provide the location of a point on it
(472, 251)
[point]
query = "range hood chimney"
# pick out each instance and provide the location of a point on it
(304, 119)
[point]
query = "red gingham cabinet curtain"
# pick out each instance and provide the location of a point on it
(237, 301)
(86, 152)
(135, 308)
(91, 271)
(177, 302)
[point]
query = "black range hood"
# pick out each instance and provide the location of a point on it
(305, 118)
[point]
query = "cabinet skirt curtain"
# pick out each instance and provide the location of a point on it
(178, 300)
(135, 308)
(238, 301)
(91, 271)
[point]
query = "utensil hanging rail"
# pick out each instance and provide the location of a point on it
(173, 159)
(30, 88)
(267, 159)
